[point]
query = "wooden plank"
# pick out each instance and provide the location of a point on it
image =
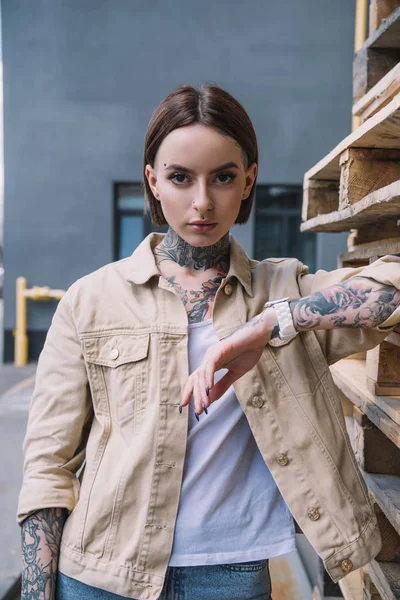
(365, 170)
(319, 197)
(366, 439)
(380, 131)
(390, 550)
(370, 66)
(349, 377)
(379, 95)
(352, 586)
(394, 338)
(380, 10)
(386, 577)
(368, 210)
(388, 33)
(385, 490)
(380, 232)
(382, 369)
(362, 253)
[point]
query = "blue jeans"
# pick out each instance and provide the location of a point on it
(233, 581)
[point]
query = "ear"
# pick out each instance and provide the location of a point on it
(152, 179)
(251, 174)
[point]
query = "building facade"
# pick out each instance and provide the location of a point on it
(81, 80)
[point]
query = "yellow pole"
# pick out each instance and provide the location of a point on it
(359, 38)
(21, 339)
(361, 24)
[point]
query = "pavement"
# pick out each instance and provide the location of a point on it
(16, 387)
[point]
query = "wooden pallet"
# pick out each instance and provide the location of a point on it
(356, 188)
(340, 193)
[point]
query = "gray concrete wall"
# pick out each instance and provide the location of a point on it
(81, 80)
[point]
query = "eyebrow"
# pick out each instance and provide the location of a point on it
(228, 165)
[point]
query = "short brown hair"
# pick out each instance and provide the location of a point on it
(209, 105)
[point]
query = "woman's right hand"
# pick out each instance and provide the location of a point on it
(40, 543)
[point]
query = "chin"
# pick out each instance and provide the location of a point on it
(202, 239)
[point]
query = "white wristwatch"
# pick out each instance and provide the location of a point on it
(285, 319)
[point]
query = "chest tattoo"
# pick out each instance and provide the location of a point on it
(197, 302)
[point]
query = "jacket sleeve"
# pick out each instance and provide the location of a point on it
(341, 342)
(60, 416)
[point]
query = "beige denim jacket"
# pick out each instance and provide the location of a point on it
(108, 384)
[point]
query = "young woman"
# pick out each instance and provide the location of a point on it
(189, 386)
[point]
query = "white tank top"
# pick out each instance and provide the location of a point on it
(230, 509)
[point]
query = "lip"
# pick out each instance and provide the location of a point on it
(202, 226)
(202, 222)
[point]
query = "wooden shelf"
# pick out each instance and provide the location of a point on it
(383, 411)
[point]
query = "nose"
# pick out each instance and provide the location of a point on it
(202, 201)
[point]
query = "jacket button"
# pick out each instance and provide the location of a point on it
(282, 459)
(228, 289)
(313, 514)
(347, 565)
(114, 353)
(258, 402)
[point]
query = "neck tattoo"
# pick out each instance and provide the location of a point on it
(198, 258)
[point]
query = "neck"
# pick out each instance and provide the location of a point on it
(197, 258)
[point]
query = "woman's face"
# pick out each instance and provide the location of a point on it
(191, 178)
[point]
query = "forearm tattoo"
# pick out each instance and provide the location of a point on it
(40, 543)
(199, 258)
(357, 302)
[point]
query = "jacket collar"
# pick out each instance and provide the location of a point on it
(142, 265)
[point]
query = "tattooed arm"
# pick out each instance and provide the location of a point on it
(356, 302)
(40, 543)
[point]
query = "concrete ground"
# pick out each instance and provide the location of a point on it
(16, 387)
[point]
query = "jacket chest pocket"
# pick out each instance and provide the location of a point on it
(118, 374)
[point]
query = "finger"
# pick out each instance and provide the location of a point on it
(187, 392)
(201, 375)
(223, 385)
(197, 395)
(209, 377)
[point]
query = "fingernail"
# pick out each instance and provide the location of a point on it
(207, 390)
(205, 408)
(180, 407)
(197, 416)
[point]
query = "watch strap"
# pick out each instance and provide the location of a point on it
(287, 330)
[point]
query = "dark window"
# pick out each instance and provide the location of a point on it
(277, 225)
(131, 223)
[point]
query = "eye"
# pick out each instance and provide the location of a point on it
(172, 177)
(227, 174)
